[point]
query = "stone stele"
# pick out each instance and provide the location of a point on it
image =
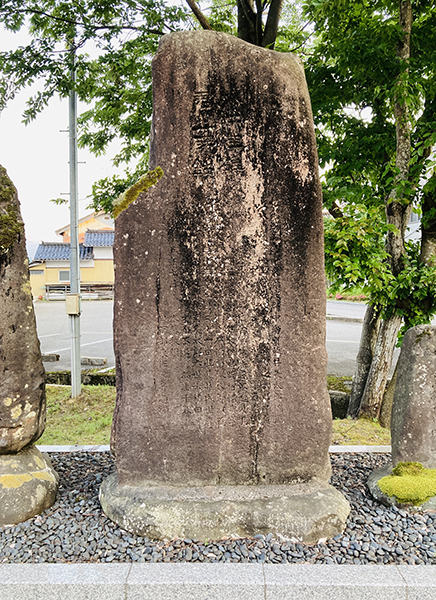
(413, 420)
(27, 482)
(223, 421)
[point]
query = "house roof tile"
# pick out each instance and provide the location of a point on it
(99, 237)
(61, 251)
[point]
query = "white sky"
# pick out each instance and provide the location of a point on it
(36, 159)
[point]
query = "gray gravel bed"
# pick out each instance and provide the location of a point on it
(76, 530)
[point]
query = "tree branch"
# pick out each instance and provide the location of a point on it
(335, 211)
(200, 16)
(82, 24)
(272, 24)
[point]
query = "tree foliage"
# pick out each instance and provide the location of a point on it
(356, 78)
(372, 78)
(113, 43)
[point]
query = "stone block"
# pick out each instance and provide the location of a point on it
(63, 582)
(340, 582)
(219, 317)
(189, 582)
(93, 361)
(51, 357)
(420, 581)
(307, 512)
(28, 485)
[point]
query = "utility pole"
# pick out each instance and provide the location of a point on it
(73, 298)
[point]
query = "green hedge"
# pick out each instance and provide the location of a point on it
(64, 378)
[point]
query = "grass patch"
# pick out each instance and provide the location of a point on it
(83, 420)
(88, 418)
(360, 432)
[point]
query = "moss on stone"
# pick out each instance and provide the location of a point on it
(410, 483)
(10, 226)
(143, 185)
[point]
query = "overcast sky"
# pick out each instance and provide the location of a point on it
(36, 159)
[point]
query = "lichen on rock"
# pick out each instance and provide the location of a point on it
(10, 224)
(410, 483)
(142, 185)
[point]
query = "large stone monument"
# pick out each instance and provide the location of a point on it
(413, 421)
(28, 483)
(223, 421)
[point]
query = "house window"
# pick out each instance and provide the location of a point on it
(36, 272)
(64, 275)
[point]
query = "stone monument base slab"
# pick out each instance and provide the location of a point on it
(28, 485)
(307, 512)
(383, 498)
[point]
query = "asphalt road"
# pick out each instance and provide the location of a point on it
(96, 333)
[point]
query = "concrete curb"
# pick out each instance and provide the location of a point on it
(344, 319)
(183, 581)
(332, 449)
(73, 448)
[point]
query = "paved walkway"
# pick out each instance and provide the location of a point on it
(215, 582)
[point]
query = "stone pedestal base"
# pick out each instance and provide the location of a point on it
(383, 498)
(28, 485)
(308, 512)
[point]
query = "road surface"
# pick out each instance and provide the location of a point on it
(96, 333)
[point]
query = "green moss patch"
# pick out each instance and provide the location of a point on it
(130, 195)
(410, 483)
(339, 383)
(10, 226)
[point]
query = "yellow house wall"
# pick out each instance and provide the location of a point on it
(37, 282)
(52, 274)
(101, 272)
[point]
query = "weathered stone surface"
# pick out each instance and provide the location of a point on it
(307, 512)
(339, 403)
(28, 485)
(219, 314)
(413, 423)
(22, 387)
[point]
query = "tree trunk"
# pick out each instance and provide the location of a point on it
(379, 372)
(388, 400)
(250, 24)
(246, 21)
(272, 24)
(370, 328)
(398, 210)
(428, 225)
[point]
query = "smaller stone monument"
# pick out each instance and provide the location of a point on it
(413, 421)
(28, 483)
